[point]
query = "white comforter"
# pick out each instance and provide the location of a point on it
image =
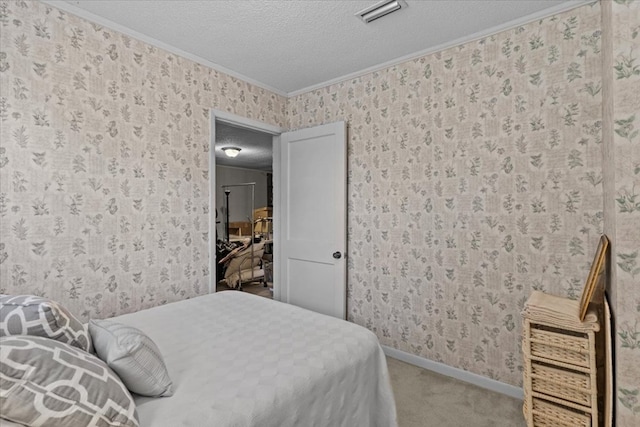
(241, 360)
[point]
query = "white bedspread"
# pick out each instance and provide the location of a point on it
(241, 360)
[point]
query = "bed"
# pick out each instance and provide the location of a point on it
(239, 360)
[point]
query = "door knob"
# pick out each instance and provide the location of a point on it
(337, 255)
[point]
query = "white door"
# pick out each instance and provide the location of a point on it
(313, 185)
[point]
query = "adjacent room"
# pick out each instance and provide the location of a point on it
(331, 213)
(244, 210)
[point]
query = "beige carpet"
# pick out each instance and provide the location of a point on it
(426, 399)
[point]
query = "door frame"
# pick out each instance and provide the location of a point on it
(275, 131)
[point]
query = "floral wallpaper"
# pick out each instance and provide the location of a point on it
(626, 82)
(475, 176)
(104, 145)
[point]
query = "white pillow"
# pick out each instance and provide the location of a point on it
(133, 356)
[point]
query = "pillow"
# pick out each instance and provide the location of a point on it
(41, 317)
(133, 356)
(47, 382)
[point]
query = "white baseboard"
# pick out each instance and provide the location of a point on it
(456, 373)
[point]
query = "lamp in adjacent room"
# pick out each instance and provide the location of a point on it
(231, 151)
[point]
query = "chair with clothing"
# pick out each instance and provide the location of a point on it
(245, 266)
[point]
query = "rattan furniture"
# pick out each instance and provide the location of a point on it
(560, 384)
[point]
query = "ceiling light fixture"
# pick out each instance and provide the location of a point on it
(380, 9)
(231, 151)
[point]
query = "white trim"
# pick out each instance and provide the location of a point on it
(84, 14)
(213, 280)
(562, 7)
(246, 123)
(456, 373)
(276, 215)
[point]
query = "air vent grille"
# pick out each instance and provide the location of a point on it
(380, 9)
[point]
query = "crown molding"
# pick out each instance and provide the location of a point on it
(84, 14)
(562, 7)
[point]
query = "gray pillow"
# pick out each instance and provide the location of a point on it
(41, 317)
(47, 382)
(133, 356)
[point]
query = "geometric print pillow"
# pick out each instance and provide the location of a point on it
(46, 382)
(37, 316)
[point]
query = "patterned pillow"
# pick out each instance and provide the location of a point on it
(46, 382)
(41, 317)
(133, 356)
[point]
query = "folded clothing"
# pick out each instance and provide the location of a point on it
(558, 311)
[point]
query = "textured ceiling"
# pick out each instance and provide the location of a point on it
(256, 147)
(294, 45)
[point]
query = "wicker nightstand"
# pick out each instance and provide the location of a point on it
(560, 365)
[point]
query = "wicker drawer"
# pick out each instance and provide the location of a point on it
(547, 414)
(563, 384)
(563, 348)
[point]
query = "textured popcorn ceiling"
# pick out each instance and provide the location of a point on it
(293, 45)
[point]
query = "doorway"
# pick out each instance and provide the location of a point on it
(308, 242)
(243, 191)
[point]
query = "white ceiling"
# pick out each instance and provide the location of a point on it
(256, 147)
(294, 45)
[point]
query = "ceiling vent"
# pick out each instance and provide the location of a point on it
(380, 9)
